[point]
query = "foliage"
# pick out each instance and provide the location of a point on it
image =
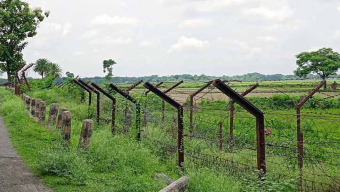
(69, 74)
(17, 23)
(107, 66)
(324, 62)
(41, 67)
(54, 70)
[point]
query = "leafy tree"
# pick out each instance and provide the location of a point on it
(54, 70)
(41, 67)
(69, 74)
(17, 23)
(107, 66)
(324, 62)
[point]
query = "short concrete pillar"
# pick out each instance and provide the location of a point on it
(86, 134)
(42, 110)
(66, 127)
(52, 118)
(60, 118)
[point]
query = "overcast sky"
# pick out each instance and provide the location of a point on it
(166, 37)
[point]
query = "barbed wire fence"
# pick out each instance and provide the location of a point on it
(309, 156)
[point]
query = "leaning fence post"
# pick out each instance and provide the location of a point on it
(53, 115)
(66, 127)
(299, 132)
(191, 113)
(165, 92)
(180, 141)
(113, 108)
(86, 134)
(60, 118)
(260, 136)
(232, 113)
(42, 109)
(134, 101)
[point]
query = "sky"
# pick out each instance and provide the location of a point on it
(168, 37)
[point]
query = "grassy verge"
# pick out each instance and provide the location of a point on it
(111, 164)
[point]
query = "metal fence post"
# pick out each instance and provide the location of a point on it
(232, 111)
(299, 132)
(130, 98)
(191, 112)
(165, 92)
(260, 136)
(113, 107)
(180, 131)
(146, 103)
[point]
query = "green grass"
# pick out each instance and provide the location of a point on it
(111, 164)
(120, 163)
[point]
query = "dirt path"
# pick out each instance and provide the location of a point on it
(14, 176)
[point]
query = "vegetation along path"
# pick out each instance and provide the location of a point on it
(14, 175)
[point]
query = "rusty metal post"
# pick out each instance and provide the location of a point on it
(299, 132)
(98, 97)
(260, 136)
(84, 88)
(165, 92)
(23, 75)
(113, 108)
(180, 141)
(133, 86)
(128, 92)
(146, 103)
(232, 112)
(66, 127)
(86, 134)
(134, 101)
(191, 113)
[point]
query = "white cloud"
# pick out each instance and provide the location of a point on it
(49, 28)
(337, 35)
(271, 14)
(188, 44)
(240, 46)
(196, 23)
(78, 53)
(67, 28)
(145, 43)
(338, 8)
(214, 5)
(105, 19)
(267, 38)
(111, 40)
(90, 34)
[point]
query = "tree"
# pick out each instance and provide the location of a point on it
(17, 23)
(323, 62)
(69, 74)
(41, 67)
(107, 66)
(54, 70)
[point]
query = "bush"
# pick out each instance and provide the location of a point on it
(64, 163)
